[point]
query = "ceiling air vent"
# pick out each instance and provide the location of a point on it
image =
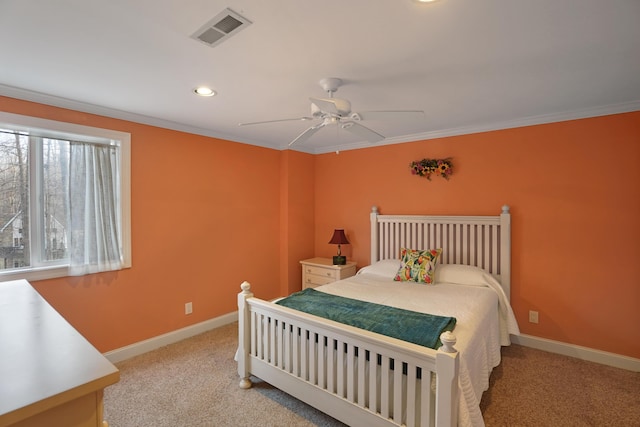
(221, 27)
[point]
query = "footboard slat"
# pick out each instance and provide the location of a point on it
(374, 393)
(426, 403)
(397, 390)
(321, 361)
(362, 377)
(295, 350)
(272, 342)
(412, 374)
(313, 358)
(280, 354)
(304, 359)
(356, 376)
(253, 334)
(331, 365)
(384, 397)
(351, 377)
(287, 349)
(340, 377)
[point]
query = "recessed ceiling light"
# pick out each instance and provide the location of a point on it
(204, 91)
(425, 1)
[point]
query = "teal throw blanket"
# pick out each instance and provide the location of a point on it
(417, 328)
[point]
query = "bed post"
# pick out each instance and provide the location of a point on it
(244, 334)
(374, 235)
(447, 367)
(505, 251)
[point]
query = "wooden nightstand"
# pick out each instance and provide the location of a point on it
(320, 271)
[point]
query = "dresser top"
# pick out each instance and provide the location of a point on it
(44, 361)
(326, 262)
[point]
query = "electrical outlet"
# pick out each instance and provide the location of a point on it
(533, 316)
(188, 308)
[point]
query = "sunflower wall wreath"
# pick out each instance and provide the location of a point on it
(428, 167)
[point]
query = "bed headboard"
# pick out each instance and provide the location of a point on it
(482, 241)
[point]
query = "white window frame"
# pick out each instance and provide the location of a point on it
(63, 130)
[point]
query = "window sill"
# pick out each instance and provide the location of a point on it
(33, 274)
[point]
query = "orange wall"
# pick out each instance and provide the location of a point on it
(205, 217)
(574, 192)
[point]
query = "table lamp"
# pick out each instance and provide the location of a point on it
(339, 239)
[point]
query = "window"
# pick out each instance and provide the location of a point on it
(64, 199)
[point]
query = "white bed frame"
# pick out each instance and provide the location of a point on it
(298, 353)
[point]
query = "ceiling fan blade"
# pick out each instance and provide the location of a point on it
(391, 115)
(275, 121)
(307, 134)
(362, 131)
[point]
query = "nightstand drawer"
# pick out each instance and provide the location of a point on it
(312, 280)
(322, 272)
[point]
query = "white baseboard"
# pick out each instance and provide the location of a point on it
(583, 353)
(136, 349)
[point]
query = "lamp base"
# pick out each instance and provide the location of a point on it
(339, 260)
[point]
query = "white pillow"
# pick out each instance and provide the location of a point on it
(386, 268)
(460, 274)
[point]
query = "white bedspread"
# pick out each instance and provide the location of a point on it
(483, 318)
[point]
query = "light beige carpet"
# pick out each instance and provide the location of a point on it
(194, 383)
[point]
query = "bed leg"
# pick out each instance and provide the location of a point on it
(244, 335)
(447, 367)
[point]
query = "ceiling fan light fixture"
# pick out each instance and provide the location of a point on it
(204, 91)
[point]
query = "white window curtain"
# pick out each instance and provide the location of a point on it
(93, 212)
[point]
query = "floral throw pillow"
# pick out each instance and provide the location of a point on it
(417, 266)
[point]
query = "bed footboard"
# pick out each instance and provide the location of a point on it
(356, 376)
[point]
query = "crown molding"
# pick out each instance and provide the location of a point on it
(564, 116)
(55, 101)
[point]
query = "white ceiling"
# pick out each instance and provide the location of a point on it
(470, 65)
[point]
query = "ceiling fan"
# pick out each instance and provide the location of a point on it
(338, 111)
